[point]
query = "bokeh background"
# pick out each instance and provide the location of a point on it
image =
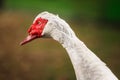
(96, 23)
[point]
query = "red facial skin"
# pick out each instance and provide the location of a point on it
(35, 30)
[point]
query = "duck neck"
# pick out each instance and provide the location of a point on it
(75, 50)
(86, 64)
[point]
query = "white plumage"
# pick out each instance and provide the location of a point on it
(86, 64)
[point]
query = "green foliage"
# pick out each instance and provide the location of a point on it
(90, 9)
(60, 7)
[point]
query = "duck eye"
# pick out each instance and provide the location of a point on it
(38, 22)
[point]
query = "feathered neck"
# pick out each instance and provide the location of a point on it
(86, 64)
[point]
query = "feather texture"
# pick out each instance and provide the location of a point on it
(86, 64)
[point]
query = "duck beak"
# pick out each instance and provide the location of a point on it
(28, 39)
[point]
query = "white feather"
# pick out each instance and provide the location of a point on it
(86, 64)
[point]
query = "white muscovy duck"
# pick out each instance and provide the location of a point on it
(86, 64)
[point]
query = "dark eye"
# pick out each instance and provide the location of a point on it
(38, 22)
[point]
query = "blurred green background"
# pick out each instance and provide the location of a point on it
(96, 23)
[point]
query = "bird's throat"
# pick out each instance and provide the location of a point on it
(86, 64)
